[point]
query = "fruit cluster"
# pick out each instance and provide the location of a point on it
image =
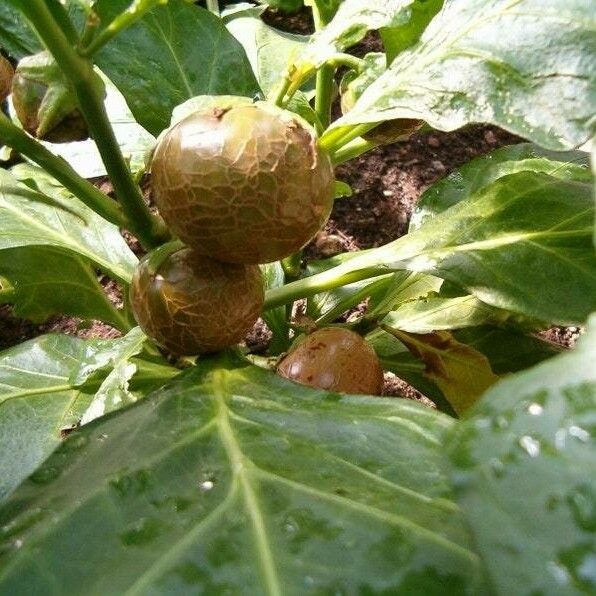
(239, 186)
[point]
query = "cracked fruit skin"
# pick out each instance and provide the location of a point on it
(247, 184)
(191, 304)
(334, 359)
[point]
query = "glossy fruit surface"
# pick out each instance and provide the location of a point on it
(248, 184)
(191, 304)
(6, 74)
(334, 359)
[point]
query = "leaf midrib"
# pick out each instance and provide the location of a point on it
(240, 465)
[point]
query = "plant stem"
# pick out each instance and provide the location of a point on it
(291, 265)
(352, 62)
(131, 15)
(335, 139)
(278, 95)
(79, 71)
(325, 78)
(328, 280)
(19, 140)
(324, 94)
(353, 149)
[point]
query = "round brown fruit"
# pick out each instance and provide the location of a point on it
(6, 74)
(191, 304)
(334, 359)
(247, 184)
(43, 103)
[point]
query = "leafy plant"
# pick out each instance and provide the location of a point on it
(126, 467)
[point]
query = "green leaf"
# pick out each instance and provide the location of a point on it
(325, 307)
(462, 373)
(482, 171)
(16, 37)
(74, 229)
(41, 281)
(173, 53)
(233, 479)
(274, 277)
(327, 8)
(528, 67)
(269, 50)
(507, 350)
(342, 190)
(515, 245)
(397, 39)
(439, 313)
(350, 24)
(46, 386)
(525, 476)
(405, 287)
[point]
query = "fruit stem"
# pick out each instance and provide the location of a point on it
(19, 140)
(352, 150)
(328, 280)
(131, 15)
(334, 139)
(278, 95)
(149, 229)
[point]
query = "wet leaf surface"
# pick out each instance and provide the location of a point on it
(235, 479)
(525, 476)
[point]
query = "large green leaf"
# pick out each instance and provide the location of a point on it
(60, 221)
(525, 476)
(235, 480)
(49, 383)
(528, 66)
(41, 281)
(173, 53)
(522, 243)
(482, 171)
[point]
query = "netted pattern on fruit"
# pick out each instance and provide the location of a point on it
(247, 185)
(193, 304)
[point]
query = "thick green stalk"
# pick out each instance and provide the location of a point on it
(333, 140)
(16, 138)
(79, 71)
(325, 79)
(328, 280)
(324, 94)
